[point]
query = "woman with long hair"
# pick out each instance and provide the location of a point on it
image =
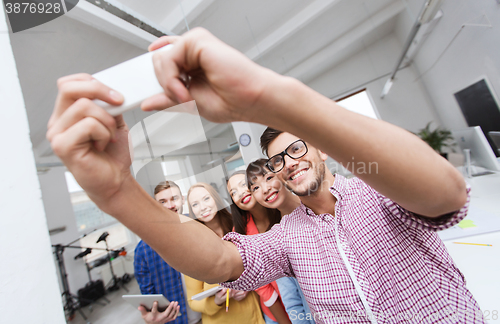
(269, 191)
(206, 206)
(251, 218)
(245, 206)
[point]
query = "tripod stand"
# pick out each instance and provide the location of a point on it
(71, 302)
(93, 289)
(115, 282)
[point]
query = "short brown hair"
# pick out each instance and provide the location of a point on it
(267, 137)
(164, 185)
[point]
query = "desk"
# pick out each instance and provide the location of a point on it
(481, 264)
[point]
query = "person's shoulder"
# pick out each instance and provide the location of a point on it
(142, 247)
(298, 212)
(347, 182)
(352, 186)
(296, 218)
(139, 251)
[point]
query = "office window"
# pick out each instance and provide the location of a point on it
(171, 168)
(360, 103)
(89, 217)
(119, 236)
(87, 214)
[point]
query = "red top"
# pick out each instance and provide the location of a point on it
(268, 293)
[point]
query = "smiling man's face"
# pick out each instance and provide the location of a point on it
(304, 175)
(171, 198)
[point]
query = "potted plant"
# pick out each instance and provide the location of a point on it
(437, 139)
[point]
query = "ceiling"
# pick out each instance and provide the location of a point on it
(284, 35)
(299, 38)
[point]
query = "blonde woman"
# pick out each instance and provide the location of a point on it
(206, 206)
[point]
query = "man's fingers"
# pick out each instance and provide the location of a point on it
(168, 72)
(74, 77)
(154, 309)
(82, 108)
(162, 41)
(174, 313)
(157, 102)
(170, 313)
(92, 89)
(143, 311)
(74, 89)
(120, 122)
(80, 135)
(170, 307)
(177, 310)
(167, 313)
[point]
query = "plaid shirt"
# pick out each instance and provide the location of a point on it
(374, 262)
(155, 276)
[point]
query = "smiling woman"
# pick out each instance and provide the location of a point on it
(251, 218)
(207, 207)
(245, 207)
(268, 189)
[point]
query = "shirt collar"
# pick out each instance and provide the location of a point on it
(337, 190)
(339, 186)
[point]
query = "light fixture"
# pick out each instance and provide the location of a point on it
(428, 12)
(387, 87)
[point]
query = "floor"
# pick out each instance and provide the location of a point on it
(117, 311)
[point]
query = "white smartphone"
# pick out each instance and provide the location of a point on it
(147, 301)
(135, 79)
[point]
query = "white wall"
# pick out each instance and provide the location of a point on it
(43, 54)
(465, 58)
(200, 162)
(445, 63)
(59, 211)
(28, 272)
(407, 105)
(251, 152)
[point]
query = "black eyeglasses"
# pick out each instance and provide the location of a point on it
(295, 150)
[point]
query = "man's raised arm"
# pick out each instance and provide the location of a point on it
(94, 147)
(227, 87)
(390, 159)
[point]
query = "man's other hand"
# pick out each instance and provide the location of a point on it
(157, 317)
(90, 142)
(225, 84)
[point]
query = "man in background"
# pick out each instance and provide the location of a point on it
(155, 276)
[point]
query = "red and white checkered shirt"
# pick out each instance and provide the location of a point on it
(373, 262)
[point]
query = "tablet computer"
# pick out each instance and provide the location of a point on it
(147, 301)
(206, 293)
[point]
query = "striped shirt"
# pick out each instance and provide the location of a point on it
(373, 262)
